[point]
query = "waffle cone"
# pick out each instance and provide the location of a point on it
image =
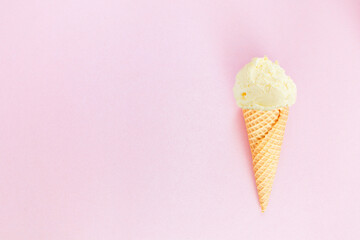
(265, 132)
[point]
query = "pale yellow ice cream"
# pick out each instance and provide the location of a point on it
(263, 85)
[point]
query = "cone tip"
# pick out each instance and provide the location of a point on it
(263, 208)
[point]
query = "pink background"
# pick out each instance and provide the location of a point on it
(117, 120)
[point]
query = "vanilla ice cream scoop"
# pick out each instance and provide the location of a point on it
(263, 85)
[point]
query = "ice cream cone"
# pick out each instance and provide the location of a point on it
(265, 132)
(265, 93)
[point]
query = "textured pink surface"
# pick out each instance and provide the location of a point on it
(118, 120)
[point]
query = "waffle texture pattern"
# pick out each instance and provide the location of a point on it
(265, 132)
